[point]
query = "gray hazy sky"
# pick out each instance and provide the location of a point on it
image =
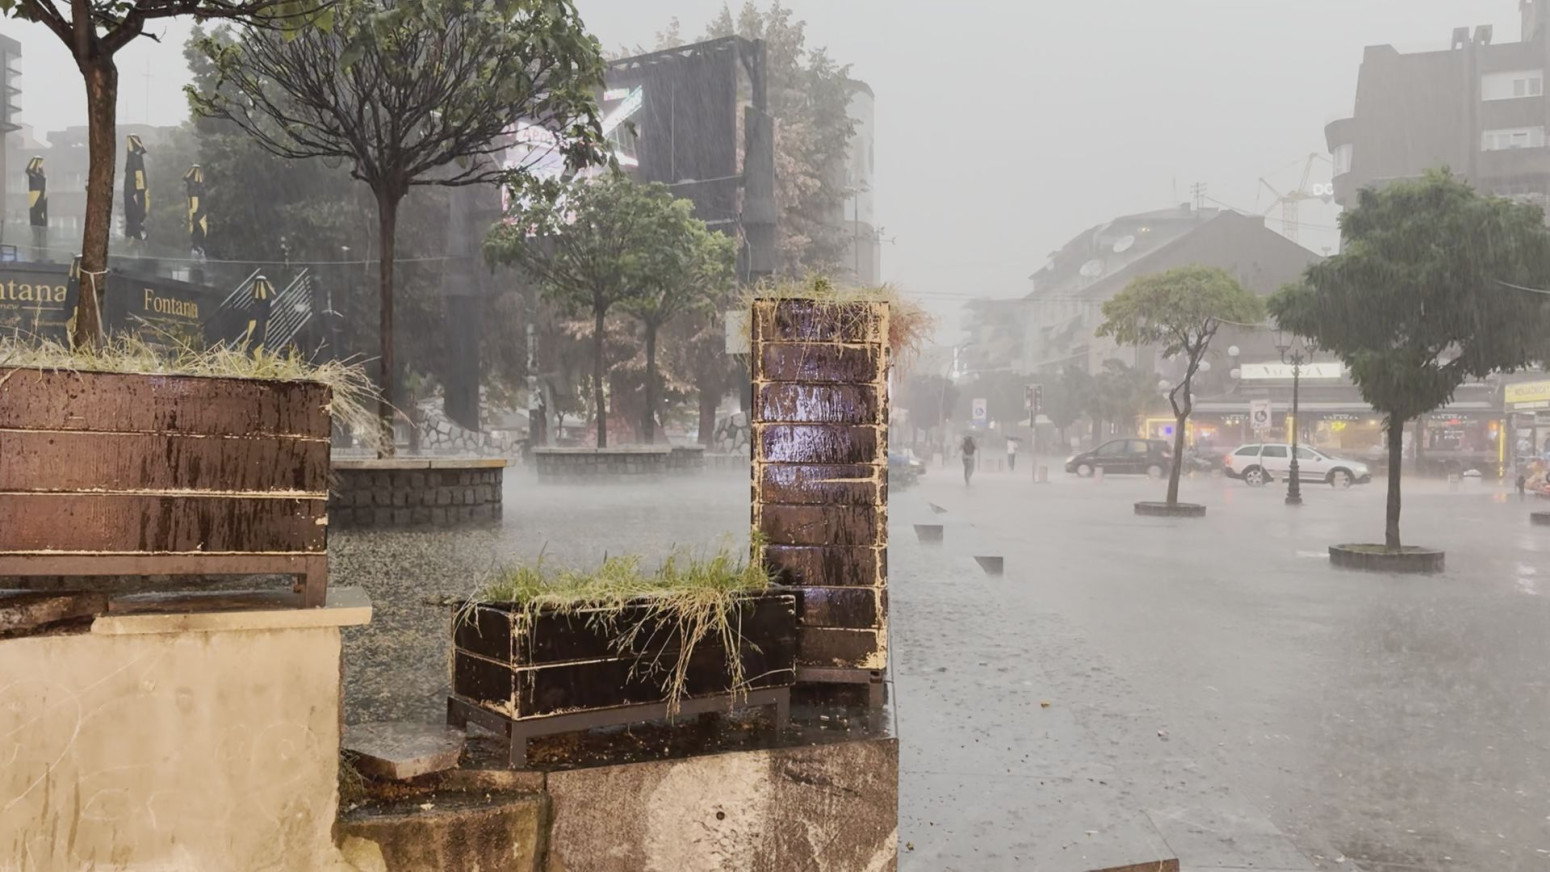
(1004, 127)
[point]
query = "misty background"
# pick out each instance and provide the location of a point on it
(1003, 128)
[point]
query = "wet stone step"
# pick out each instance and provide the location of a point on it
(398, 751)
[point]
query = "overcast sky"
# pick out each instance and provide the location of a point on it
(1004, 127)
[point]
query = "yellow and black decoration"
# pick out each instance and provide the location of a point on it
(137, 194)
(258, 317)
(37, 193)
(198, 221)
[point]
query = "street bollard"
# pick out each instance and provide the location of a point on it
(1041, 474)
(1453, 481)
(1098, 474)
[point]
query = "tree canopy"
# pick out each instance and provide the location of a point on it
(1423, 297)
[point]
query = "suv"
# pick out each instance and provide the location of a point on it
(1258, 464)
(1150, 457)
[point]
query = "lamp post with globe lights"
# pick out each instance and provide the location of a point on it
(1294, 352)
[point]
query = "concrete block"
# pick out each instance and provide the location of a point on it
(399, 751)
(449, 832)
(826, 808)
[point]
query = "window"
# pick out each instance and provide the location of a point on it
(1138, 447)
(1305, 454)
(1112, 449)
(1512, 85)
(1274, 451)
(1246, 451)
(1343, 155)
(1512, 138)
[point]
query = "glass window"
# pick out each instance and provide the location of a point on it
(1511, 85)
(1306, 454)
(1246, 451)
(1112, 449)
(1138, 447)
(1274, 451)
(1511, 138)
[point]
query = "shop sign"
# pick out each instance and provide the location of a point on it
(1283, 371)
(1529, 395)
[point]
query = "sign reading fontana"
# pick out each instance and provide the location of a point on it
(36, 300)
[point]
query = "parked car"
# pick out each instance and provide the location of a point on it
(1260, 463)
(903, 468)
(1151, 457)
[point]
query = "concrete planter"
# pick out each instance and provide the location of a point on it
(615, 465)
(1410, 560)
(1164, 510)
(396, 493)
(130, 475)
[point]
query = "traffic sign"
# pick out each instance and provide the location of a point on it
(1259, 414)
(981, 413)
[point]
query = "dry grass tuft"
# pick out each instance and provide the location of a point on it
(909, 325)
(695, 595)
(354, 396)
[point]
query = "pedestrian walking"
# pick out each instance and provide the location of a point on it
(967, 448)
(1011, 453)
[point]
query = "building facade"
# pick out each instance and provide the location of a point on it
(864, 255)
(1479, 107)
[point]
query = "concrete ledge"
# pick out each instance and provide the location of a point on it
(1410, 560)
(623, 463)
(1164, 510)
(415, 493)
(1541, 519)
(346, 607)
(451, 832)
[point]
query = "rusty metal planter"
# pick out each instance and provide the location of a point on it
(128, 474)
(549, 672)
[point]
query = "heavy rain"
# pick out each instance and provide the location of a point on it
(605, 436)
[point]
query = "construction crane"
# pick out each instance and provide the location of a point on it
(1290, 201)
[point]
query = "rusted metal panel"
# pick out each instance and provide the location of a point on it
(818, 404)
(841, 648)
(856, 484)
(818, 443)
(844, 526)
(149, 523)
(859, 608)
(86, 461)
(828, 565)
(33, 399)
(817, 364)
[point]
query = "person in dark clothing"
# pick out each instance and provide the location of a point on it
(968, 448)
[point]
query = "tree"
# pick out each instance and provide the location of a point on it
(413, 93)
(930, 399)
(1179, 310)
(94, 31)
(697, 267)
(1420, 299)
(1066, 397)
(592, 245)
(1119, 392)
(809, 98)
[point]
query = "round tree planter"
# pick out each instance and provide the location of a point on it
(1541, 519)
(415, 492)
(1373, 558)
(1164, 510)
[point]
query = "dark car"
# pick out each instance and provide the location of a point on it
(1124, 456)
(903, 469)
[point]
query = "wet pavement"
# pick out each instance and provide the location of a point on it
(1129, 687)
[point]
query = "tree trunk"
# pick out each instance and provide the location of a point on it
(597, 376)
(1178, 458)
(1419, 450)
(709, 402)
(649, 425)
(387, 232)
(101, 113)
(1396, 459)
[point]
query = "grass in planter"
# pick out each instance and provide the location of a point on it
(909, 325)
(354, 400)
(691, 596)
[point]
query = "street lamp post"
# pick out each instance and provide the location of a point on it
(1293, 353)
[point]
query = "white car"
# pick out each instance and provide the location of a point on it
(1260, 463)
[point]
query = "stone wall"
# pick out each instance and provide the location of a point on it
(410, 493)
(820, 476)
(176, 742)
(613, 465)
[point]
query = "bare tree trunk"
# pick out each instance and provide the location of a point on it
(1178, 458)
(1396, 458)
(649, 425)
(101, 115)
(597, 377)
(709, 402)
(387, 232)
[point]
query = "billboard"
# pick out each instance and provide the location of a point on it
(36, 300)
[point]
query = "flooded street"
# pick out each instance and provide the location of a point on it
(1212, 686)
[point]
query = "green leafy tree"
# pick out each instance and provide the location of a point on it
(1120, 393)
(1416, 303)
(1066, 398)
(1179, 311)
(413, 93)
(695, 267)
(930, 398)
(592, 245)
(95, 31)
